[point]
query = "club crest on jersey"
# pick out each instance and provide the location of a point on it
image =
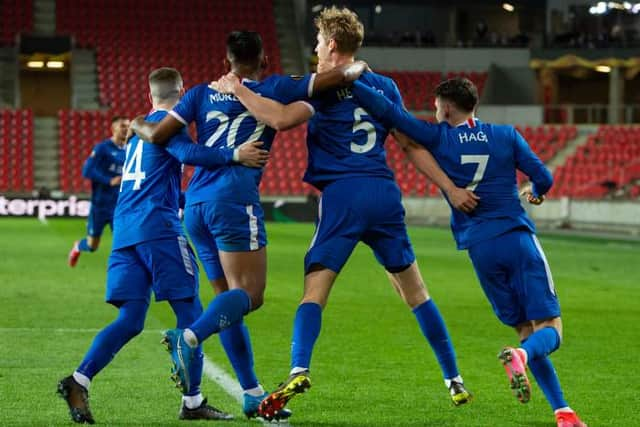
(472, 137)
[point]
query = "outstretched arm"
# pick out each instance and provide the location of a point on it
(273, 113)
(248, 154)
(395, 116)
(532, 166)
(156, 132)
(286, 116)
(460, 198)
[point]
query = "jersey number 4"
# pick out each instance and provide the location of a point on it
(481, 160)
(132, 170)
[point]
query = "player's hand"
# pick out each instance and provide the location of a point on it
(250, 154)
(527, 192)
(462, 199)
(115, 181)
(226, 84)
(352, 72)
(133, 126)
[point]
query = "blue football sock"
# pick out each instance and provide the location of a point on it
(306, 329)
(83, 246)
(237, 344)
(547, 379)
(541, 343)
(110, 340)
(433, 327)
(226, 309)
(187, 311)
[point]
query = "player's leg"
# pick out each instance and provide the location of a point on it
(241, 239)
(387, 236)
(95, 225)
(127, 289)
(235, 339)
(338, 231)
(544, 336)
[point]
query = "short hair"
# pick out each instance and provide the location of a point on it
(459, 90)
(165, 84)
(343, 26)
(244, 48)
(118, 118)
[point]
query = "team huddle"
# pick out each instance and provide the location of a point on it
(350, 111)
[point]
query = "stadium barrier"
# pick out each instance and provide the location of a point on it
(42, 208)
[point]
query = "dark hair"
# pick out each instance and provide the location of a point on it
(244, 48)
(459, 90)
(118, 118)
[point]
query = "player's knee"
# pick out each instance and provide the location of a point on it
(256, 301)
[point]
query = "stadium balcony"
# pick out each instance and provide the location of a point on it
(16, 150)
(128, 47)
(16, 17)
(609, 162)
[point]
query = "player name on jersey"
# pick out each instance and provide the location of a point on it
(473, 137)
(222, 97)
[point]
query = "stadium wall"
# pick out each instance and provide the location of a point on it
(605, 216)
(527, 115)
(443, 60)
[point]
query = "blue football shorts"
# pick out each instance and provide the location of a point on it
(226, 226)
(515, 276)
(97, 220)
(363, 209)
(166, 266)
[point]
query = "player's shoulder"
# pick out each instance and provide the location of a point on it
(499, 129)
(372, 78)
(156, 115)
(198, 90)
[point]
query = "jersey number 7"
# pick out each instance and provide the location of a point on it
(481, 160)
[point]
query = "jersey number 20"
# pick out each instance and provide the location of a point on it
(233, 129)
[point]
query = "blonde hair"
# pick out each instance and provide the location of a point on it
(343, 26)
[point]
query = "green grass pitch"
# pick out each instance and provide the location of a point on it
(371, 365)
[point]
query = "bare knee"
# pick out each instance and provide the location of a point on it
(409, 285)
(554, 322)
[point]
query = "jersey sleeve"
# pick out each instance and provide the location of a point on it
(288, 89)
(531, 165)
(91, 167)
(185, 151)
(185, 110)
(395, 116)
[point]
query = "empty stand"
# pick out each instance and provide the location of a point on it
(417, 87)
(131, 38)
(78, 132)
(608, 161)
(16, 150)
(15, 16)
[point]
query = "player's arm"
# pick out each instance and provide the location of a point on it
(248, 154)
(460, 198)
(273, 113)
(156, 132)
(342, 75)
(91, 169)
(395, 116)
(534, 168)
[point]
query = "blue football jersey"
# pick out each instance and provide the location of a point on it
(222, 121)
(343, 140)
(104, 163)
(479, 156)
